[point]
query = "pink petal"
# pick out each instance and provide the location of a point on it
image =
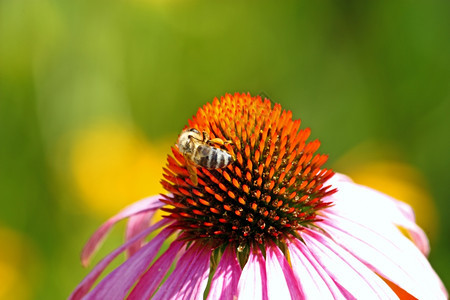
(190, 277)
(387, 252)
(368, 205)
(147, 204)
(90, 279)
(118, 283)
(313, 280)
(253, 281)
(409, 223)
(281, 283)
(136, 224)
(225, 281)
(349, 273)
(151, 279)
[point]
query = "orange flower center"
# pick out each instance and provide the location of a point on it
(272, 188)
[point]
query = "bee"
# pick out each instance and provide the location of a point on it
(201, 151)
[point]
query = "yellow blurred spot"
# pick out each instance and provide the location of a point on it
(9, 277)
(114, 165)
(17, 264)
(402, 182)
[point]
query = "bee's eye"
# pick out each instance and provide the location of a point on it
(194, 130)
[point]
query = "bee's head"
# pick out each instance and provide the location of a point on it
(185, 143)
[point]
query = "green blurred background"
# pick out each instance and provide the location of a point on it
(93, 93)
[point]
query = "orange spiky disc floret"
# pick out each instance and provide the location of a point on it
(272, 190)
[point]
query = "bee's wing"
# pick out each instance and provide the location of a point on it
(192, 169)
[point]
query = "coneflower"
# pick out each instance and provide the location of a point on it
(273, 224)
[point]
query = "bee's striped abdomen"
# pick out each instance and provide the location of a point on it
(211, 157)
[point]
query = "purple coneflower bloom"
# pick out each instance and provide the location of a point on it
(273, 224)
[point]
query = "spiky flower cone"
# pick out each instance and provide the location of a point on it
(272, 190)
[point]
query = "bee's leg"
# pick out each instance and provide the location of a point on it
(205, 137)
(193, 174)
(218, 141)
(192, 170)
